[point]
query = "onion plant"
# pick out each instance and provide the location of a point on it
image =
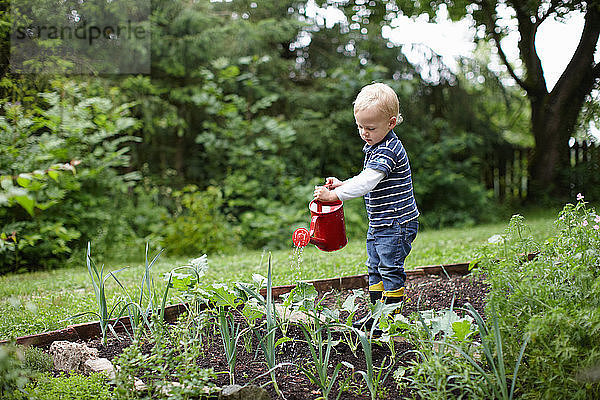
(267, 342)
(373, 376)
(230, 333)
(320, 360)
(104, 315)
(491, 343)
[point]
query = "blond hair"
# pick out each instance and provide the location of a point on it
(380, 96)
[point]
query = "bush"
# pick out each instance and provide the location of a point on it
(71, 387)
(446, 176)
(63, 176)
(13, 377)
(554, 299)
(199, 226)
(36, 360)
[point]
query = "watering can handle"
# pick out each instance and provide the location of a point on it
(313, 223)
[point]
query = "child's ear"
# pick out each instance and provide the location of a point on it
(393, 122)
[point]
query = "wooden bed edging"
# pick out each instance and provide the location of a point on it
(90, 330)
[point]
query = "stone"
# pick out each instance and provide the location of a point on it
(237, 392)
(71, 356)
(167, 387)
(140, 385)
(99, 365)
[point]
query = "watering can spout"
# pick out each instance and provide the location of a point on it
(327, 228)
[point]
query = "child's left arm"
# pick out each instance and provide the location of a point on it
(356, 186)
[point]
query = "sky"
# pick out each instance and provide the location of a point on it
(555, 41)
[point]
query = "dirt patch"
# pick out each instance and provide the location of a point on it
(422, 293)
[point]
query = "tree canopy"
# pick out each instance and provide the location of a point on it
(246, 107)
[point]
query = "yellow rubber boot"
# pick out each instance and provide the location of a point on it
(376, 294)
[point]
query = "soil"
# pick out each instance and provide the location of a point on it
(422, 293)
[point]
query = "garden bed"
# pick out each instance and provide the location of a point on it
(424, 292)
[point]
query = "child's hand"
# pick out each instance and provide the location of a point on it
(323, 194)
(333, 182)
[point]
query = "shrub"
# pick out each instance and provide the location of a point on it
(45, 214)
(554, 299)
(71, 387)
(199, 225)
(13, 377)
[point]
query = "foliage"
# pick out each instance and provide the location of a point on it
(317, 371)
(53, 212)
(553, 298)
(451, 363)
(13, 377)
(230, 335)
(36, 360)
(256, 112)
(170, 366)
(199, 225)
(105, 314)
(71, 387)
(146, 310)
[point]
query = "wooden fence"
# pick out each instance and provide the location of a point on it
(506, 170)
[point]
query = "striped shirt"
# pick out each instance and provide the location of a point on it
(392, 199)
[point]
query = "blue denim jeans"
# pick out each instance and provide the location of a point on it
(387, 247)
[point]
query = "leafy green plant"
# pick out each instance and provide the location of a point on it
(13, 377)
(351, 306)
(320, 352)
(374, 376)
(454, 363)
(71, 387)
(199, 225)
(552, 298)
(105, 313)
(491, 343)
(148, 308)
(301, 298)
(230, 334)
(49, 214)
(268, 342)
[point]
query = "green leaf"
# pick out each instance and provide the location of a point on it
(53, 174)
(461, 329)
(26, 202)
(24, 180)
(6, 182)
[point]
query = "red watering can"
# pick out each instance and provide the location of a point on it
(327, 228)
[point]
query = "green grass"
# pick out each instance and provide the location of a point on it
(41, 301)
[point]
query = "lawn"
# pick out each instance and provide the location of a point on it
(41, 301)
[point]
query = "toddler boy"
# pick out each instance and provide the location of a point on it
(386, 184)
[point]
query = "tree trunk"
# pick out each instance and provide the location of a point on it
(552, 124)
(554, 115)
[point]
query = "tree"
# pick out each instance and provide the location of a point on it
(554, 113)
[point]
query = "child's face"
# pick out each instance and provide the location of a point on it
(373, 126)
